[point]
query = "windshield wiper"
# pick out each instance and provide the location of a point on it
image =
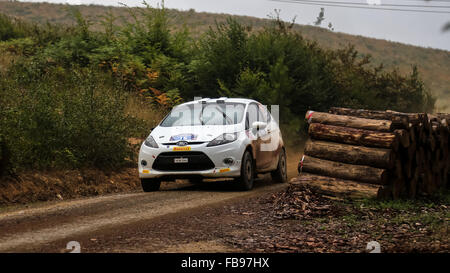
(225, 115)
(201, 116)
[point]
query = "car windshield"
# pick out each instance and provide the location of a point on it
(227, 113)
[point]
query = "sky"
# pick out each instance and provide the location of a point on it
(421, 29)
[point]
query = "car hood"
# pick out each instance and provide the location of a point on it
(191, 133)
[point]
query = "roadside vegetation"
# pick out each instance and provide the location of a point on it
(72, 97)
(433, 64)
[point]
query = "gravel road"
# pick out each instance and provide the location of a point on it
(47, 227)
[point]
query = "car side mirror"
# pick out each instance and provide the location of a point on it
(259, 125)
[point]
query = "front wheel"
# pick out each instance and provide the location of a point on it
(150, 184)
(280, 174)
(245, 181)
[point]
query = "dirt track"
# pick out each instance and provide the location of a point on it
(48, 227)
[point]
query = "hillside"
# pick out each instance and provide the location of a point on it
(433, 64)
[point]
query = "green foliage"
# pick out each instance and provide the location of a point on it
(10, 28)
(220, 55)
(433, 63)
(278, 66)
(376, 88)
(441, 198)
(65, 120)
(19, 46)
(62, 102)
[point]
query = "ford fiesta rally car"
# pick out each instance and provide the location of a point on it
(213, 138)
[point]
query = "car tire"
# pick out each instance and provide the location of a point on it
(150, 184)
(280, 174)
(245, 181)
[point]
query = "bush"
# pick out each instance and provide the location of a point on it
(70, 121)
(10, 28)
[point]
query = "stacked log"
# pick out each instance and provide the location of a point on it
(405, 154)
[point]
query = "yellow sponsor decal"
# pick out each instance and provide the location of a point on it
(145, 171)
(178, 149)
(224, 170)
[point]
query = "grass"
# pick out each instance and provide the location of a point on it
(6, 59)
(434, 219)
(442, 198)
(430, 213)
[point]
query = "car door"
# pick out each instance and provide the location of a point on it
(260, 138)
(276, 142)
(268, 149)
(250, 117)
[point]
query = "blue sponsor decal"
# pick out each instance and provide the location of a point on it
(183, 137)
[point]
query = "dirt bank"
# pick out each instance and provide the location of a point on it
(34, 186)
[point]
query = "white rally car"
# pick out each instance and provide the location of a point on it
(213, 138)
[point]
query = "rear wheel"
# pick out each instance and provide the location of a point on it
(245, 181)
(280, 174)
(150, 184)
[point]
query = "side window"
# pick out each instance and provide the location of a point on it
(263, 114)
(251, 115)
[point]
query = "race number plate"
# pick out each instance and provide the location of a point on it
(181, 160)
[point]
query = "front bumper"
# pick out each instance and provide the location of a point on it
(216, 154)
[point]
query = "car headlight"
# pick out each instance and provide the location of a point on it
(223, 139)
(150, 142)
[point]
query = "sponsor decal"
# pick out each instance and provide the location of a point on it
(179, 149)
(183, 137)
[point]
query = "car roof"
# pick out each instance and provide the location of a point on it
(209, 100)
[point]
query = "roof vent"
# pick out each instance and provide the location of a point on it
(221, 100)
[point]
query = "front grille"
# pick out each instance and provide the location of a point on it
(189, 143)
(197, 161)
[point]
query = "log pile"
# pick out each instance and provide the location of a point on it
(404, 154)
